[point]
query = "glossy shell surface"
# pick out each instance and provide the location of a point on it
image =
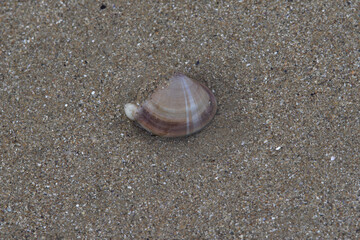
(183, 107)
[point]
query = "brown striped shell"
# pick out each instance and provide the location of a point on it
(181, 108)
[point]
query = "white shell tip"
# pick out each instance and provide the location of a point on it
(130, 110)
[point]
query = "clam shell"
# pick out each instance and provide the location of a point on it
(181, 108)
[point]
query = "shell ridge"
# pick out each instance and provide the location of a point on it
(192, 104)
(186, 107)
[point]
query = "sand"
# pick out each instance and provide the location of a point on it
(280, 160)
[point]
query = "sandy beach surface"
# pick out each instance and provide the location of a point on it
(280, 160)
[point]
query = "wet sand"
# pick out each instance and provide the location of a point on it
(280, 160)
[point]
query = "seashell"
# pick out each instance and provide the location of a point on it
(182, 107)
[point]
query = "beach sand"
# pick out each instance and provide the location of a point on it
(280, 160)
